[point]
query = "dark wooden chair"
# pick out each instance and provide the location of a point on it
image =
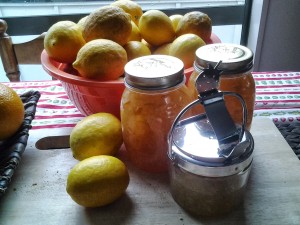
(13, 54)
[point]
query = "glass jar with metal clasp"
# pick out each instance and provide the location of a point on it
(237, 63)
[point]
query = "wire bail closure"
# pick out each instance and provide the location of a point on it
(227, 132)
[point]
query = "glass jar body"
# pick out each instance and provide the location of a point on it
(207, 196)
(241, 83)
(146, 118)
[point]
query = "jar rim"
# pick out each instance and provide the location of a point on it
(152, 89)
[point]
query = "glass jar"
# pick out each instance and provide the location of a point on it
(237, 62)
(205, 195)
(155, 93)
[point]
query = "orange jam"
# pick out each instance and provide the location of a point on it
(149, 107)
(236, 77)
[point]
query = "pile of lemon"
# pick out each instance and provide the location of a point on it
(100, 44)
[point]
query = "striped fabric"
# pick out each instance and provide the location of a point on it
(277, 97)
(54, 108)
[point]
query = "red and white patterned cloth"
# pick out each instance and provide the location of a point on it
(54, 108)
(277, 97)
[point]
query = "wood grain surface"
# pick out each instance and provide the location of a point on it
(37, 192)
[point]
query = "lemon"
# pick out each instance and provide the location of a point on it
(11, 112)
(196, 23)
(101, 59)
(63, 41)
(108, 22)
(136, 49)
(156, 27)
(97, 134)
(81, 22)
(175, 20)
(151, 47)
(163, 49)
(97, 181)
(184, 48)
(131, 7)
(135, 33)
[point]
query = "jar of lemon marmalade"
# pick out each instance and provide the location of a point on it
(237, 62)
(155, 93)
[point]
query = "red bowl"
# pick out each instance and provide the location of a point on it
(214, 39)
(91, 96)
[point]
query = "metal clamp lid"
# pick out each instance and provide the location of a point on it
(218, 129)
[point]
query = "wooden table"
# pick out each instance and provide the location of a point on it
(37, 193)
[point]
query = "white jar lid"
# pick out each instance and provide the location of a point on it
(235, 58)
(154, 72)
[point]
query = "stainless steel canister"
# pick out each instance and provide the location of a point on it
(210, 156)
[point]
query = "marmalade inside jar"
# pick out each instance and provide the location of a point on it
(242, 84)
(147, 117)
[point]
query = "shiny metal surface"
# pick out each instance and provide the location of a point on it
(195, 147)
(204, 160)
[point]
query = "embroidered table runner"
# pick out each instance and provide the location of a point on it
(54, 109)
(277, 97)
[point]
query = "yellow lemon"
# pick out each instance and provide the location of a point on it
(81, 22)
(108, 22)
(131, 7)
(97, 181)
(151, 47)
(136, 49)
(156, 27)
(196, 23)
(101, 59)
(135, 33)
(97, 134)
(63, 41)
(163, 49)
(175, 20)
(184, 48)
(11, 112)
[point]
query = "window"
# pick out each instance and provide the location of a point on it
(32, 17)
(227, 16)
